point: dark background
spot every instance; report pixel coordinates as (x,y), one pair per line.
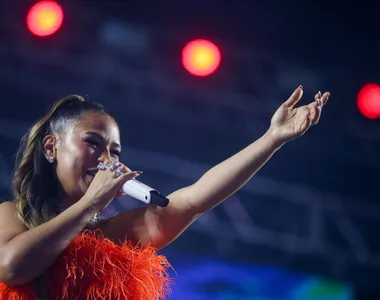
(314,206)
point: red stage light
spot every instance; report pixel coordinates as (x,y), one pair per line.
(201,57)
(368,101)
(44,18)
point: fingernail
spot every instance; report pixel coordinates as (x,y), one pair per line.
(139,172)
(301,87)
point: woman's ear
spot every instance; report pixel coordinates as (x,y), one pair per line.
(50,147)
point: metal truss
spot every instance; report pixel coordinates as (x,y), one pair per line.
(165,97)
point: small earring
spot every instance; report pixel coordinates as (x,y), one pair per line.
(50,159)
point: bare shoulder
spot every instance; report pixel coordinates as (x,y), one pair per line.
(10,224)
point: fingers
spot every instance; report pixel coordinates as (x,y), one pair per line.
(321,99)
(318,100)
(128,172)
(129,175)
(314,112)
(315,109)
(122,172)
(295,97)
(304,116)
(123,168)
(325,97)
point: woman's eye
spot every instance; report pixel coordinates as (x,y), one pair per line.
(93,143)
(96,144)
(117,153)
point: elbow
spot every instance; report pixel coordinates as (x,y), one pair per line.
(8,274)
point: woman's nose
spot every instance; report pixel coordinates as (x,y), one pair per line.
(106,155)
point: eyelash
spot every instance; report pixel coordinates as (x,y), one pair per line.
(117,153)
(96,144)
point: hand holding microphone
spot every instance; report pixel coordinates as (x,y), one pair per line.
(112,177)
(144,193)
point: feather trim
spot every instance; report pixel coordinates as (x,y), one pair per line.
(93,267)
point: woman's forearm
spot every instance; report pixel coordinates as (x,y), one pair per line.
(226,178)
(31,253)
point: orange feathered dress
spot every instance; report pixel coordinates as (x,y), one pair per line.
(93,267)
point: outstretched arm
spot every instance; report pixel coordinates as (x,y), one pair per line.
(160,226)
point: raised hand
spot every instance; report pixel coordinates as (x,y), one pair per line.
(290,122)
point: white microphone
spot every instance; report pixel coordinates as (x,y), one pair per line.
(144,193)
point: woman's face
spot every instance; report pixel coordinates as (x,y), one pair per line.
(95,137)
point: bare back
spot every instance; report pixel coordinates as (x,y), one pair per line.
(10,225)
